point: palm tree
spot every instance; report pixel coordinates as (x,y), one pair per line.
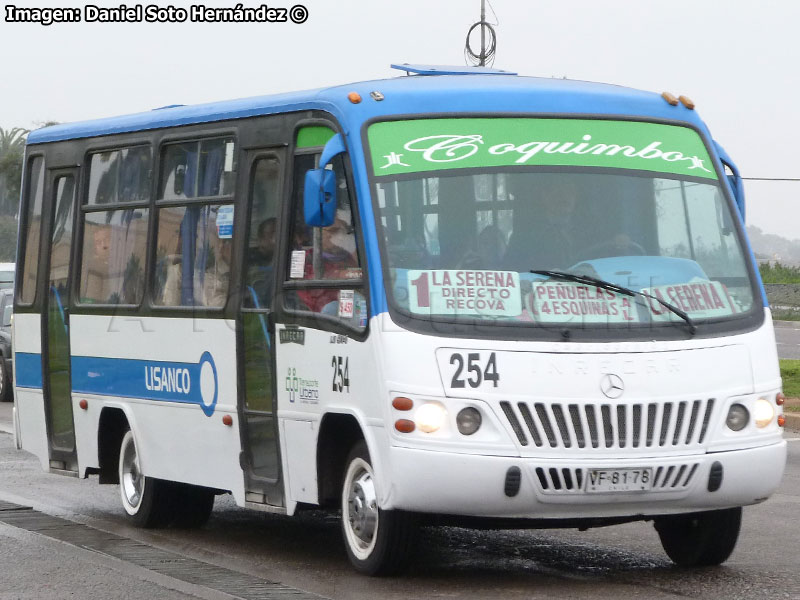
(12,150)
(12,139)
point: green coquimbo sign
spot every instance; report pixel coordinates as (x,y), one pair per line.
(399,147)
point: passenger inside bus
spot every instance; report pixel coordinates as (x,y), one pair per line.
(214,285)
(338,259)
(490,248)
(260,265)
(545,230)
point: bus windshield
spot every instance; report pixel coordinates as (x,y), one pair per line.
(470,209)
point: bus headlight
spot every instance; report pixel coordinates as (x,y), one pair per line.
(430,417)
(468,420)
(737,417)
(763,412)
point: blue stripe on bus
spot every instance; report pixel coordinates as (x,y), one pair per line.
(28,369)
(131,378)
(148,379)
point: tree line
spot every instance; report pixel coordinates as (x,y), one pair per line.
(12,151)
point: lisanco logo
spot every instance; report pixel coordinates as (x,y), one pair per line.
(453,148)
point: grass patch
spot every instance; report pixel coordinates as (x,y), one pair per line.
(785,315)
(778,273)
(790,372)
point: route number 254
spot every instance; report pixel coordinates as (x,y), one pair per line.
(475,373)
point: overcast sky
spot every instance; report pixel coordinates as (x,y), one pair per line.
(737,59)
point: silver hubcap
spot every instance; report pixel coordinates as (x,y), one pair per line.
(131,478)
(362,507)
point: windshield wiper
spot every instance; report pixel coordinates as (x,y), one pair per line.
(613,287)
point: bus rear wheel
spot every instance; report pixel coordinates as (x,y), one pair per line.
(701,539)
(193,505)
(148,502)
(378,541)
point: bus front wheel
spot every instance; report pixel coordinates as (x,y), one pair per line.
(147,501)
(701,539)
(378,541)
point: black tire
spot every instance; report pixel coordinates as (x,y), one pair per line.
(5,383)
(148,502)
(193,505)
(701,539)
(378,542)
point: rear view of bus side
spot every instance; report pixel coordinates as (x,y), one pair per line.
(461,297)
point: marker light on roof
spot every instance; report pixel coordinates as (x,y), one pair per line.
(354,97)
(670,98)
(686,102)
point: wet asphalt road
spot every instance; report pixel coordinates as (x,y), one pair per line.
(787,338)
(306,552)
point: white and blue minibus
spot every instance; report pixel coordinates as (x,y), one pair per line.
(455,296)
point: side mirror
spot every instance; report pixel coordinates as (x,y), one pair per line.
(319,198)
(319,193)
(734,179)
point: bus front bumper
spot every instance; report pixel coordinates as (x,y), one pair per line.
(471,485)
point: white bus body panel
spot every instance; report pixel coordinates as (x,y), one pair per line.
(447,472)
(176,440)
(306,377)
(29,401)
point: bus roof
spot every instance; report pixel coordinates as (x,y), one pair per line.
(405,95)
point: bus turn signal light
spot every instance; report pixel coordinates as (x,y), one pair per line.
(404,425)
(227,420)
(401,403)
(780,399)
(354,97)
(781,420)
(83,404)
(670,98)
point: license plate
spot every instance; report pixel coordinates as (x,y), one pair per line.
(619,480)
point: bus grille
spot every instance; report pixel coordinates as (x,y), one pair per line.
(670,425)
(569,480)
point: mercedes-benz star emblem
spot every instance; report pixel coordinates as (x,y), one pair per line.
(612,386)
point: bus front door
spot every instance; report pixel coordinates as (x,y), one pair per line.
(256,343)
(55,325)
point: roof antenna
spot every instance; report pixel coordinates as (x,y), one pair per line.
(486,54)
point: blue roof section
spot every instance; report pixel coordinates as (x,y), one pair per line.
(448,70)
(402,95)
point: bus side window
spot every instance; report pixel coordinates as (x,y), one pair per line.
(194,241)
(115,239)
(32,227)
(326,255)
(261,246)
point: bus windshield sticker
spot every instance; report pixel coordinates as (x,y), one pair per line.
(401,147)
(346,300)
(298,268)
(564,302)
(225,222)
(700,299)
(458,292)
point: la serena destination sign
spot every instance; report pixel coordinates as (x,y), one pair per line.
(400,147)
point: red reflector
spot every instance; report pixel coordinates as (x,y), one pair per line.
(227,420)
(83,404)
(404,425)
(401,403)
